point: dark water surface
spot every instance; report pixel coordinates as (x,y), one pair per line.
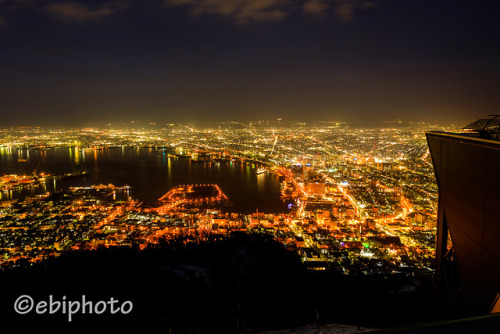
(150,173)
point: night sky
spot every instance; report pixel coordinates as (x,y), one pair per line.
(361,61)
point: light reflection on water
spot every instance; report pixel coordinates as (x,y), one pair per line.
(148,171)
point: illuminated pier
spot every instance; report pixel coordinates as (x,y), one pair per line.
(192,195)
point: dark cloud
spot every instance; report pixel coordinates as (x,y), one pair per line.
(243,11)
(318,7)
(78,12)
(67,11)
(240,11)
(345,10)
